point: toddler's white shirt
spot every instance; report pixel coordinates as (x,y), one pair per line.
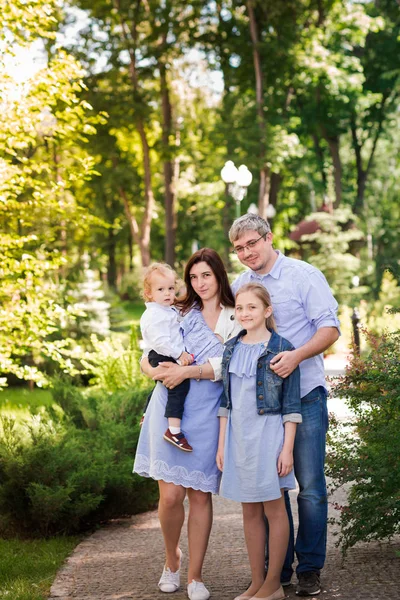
(161,330)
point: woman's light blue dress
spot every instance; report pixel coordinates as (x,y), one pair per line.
(253,442)
(160,460)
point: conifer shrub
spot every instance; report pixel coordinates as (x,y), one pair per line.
(364,453)
(70,467)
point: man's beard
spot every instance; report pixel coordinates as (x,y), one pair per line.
(258,267)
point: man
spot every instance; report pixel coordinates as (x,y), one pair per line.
(306,314)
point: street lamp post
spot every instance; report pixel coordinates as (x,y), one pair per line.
(355,318)
(237,181)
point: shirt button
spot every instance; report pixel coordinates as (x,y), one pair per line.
(260,397)
(259,365)
(259,382)
(261,412)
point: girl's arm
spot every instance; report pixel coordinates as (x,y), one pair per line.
(221,443)
(285,460)
(173,374)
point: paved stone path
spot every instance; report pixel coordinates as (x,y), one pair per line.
(124,560)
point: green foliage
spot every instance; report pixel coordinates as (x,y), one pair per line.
(71,467)
(131,286)
(113,366)
(41,167)
(25,20)
(27,567)
(330,249)
(381,315)
(364,454)
(177,81)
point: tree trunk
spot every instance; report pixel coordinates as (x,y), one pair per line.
(134,229)
(112,265)
(263,196)
(263,192)
(276,180)
(320,159)
(130,250)
(333,143)
(230,143)
(142,238)
(169,194)
(226,224)
(362,174)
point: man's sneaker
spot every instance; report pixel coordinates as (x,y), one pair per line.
(309,584)
(170,581)
(178,440)
(196,590)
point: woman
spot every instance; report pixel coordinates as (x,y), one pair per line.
(208,310)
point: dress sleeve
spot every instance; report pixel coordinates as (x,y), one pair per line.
(199,339)
(291,400)
(216,363)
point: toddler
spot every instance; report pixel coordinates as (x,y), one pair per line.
(163,342)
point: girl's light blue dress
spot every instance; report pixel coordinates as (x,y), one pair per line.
(253,442)
(160,460)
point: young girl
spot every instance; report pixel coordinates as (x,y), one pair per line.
(258,416)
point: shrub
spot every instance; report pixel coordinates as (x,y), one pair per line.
(68,469)
(130,287)
(111,365)
(365,453)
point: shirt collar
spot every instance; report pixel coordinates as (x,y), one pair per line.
(160,306)
(275,272)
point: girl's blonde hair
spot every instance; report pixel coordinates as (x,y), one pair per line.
(259,290)
(161,268)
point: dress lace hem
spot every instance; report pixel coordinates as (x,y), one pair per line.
(160,470)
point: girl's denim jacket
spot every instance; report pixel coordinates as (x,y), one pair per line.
(274,394)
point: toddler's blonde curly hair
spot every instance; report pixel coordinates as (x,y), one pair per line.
(157,267)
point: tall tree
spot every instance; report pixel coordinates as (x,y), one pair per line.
(41,165)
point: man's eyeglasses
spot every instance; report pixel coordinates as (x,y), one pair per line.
(249,246)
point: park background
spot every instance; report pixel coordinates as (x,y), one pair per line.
(116,120)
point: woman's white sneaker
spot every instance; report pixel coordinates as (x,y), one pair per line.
(170,581)
(197,591)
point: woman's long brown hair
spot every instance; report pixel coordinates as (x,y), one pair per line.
(216,265)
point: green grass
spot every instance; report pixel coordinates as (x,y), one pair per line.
(133,310)
(124,315)
(21,402)
(28,567)
(23,397)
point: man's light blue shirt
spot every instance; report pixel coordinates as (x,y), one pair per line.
(302,303)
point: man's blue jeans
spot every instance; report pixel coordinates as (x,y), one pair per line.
(309,461)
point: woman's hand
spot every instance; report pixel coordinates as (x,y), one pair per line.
(157,373)
(285,462)
(170,374)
